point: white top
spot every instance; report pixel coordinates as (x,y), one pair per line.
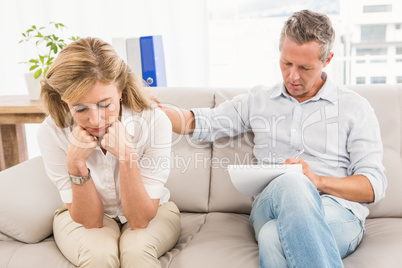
(151,132)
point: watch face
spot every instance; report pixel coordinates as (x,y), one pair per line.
(76,180)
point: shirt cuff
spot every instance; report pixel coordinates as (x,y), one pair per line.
(154,191)
(66,195)
(202,129)
(378,193)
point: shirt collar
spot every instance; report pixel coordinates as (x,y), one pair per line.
(327,92)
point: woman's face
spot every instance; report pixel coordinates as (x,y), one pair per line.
(97,109)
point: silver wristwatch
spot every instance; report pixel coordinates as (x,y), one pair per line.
(80,180)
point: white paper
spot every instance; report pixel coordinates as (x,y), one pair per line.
(250,180)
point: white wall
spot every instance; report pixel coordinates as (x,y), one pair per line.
(182,24)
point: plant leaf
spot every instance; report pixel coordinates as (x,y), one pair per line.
(37,73)
(34,61)
(54,47)
(49,61)
(33,67)
(45,71)
(42,58)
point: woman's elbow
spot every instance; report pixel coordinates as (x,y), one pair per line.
(140,224)
(89,223)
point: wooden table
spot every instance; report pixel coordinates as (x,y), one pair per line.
(15,111)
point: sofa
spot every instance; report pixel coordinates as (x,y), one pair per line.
(215,229)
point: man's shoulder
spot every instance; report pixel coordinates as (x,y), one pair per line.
(259,90)
(346,93)
(351,100)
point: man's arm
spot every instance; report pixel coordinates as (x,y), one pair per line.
(183,121)
(355,188)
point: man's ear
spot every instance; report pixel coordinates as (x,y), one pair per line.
(328,60)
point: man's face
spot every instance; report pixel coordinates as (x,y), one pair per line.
(301,68)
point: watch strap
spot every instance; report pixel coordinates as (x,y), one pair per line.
(80,180)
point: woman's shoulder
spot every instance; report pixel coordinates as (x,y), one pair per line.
(148,114)
(49,132)
(149,118)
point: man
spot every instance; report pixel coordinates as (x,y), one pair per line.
(316,218)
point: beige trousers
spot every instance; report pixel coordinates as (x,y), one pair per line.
(115,246)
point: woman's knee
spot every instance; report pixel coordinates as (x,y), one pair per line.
(96,247)
(99,255)
(139,252)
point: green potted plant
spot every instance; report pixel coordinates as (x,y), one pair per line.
(47,43)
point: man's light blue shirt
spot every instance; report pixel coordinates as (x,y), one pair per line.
(337,129)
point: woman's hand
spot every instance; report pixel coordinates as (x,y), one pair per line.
(118,142)
(80,147)
(306,169)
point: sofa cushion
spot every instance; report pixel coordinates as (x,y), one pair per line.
(44,255)
(214,240)
(189,179)
(229,151)
(28,200)
(386,101)
(381,245)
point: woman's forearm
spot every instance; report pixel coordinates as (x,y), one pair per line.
(138,208)
(87,207)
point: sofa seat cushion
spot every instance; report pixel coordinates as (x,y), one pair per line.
(14,254)
(381,245)
(214,240)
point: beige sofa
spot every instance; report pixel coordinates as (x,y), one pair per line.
(215,228)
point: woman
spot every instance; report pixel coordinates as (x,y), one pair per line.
(107,150)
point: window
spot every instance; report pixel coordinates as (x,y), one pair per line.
(377,8)
(373,32)
(398,54)
(360,80)
(376,52)
(378,80)
(398,26)
(399,79)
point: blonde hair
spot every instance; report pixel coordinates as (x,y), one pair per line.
(78,67)
(305,26)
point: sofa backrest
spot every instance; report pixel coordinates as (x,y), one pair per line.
(386,101)
(205,184)
(189,180)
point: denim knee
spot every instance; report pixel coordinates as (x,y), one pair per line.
(270,248)
(293,188)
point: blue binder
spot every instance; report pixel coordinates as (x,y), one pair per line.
(153,61)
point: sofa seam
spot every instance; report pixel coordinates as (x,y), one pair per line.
(191,238)
(12,254)
(210,164)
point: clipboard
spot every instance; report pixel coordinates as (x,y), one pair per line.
(251,180)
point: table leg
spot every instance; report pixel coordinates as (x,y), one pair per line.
(13,148)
